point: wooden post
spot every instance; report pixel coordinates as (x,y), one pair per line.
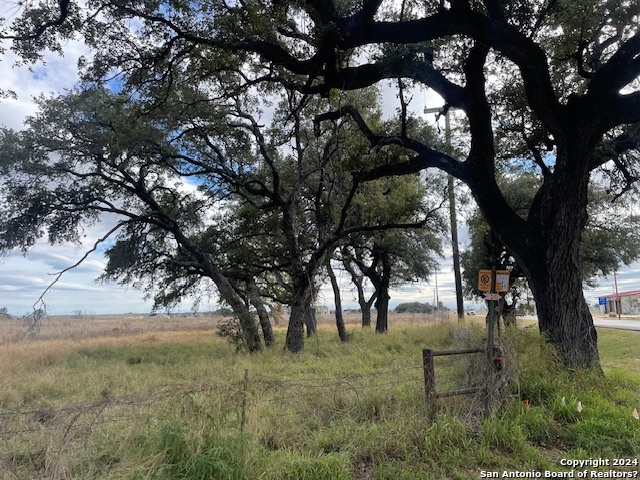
(490,327)
(429,374)
(244,400)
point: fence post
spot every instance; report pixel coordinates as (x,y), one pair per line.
(490,331)
(244,400)
(429,374)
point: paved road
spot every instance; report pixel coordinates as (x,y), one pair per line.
(608,323)
(619,324)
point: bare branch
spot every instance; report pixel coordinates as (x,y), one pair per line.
(39,303)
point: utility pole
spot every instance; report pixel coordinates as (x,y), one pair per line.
(617,302)
(453,218)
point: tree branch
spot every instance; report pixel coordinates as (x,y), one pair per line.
(621,69)
(40,29)
(40,300)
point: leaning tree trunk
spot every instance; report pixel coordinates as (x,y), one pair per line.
(263,316)
(250,333)
(342,331)
(248,325)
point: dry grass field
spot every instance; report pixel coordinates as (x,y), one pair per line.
(77,327)
(141,397)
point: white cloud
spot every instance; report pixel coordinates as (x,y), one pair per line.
(56,74)
(24,278)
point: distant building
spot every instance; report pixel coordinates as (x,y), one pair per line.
(629,302)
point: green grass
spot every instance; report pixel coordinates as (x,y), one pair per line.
(172,407)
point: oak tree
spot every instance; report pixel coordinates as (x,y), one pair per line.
(552,82)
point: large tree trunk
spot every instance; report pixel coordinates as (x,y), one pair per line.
(302,277)
(564,318)
(295,332)
(302,312)
(553,267)
(248,324)
(382,317)
(563,314)
(342,331)
(382,304)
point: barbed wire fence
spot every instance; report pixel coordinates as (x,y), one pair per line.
(49,442)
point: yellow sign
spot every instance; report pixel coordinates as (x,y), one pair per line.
(484,280)
(502,280)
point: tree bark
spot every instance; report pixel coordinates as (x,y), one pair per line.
(382,287)
(302,276)
(382,317)
(564,318)
(302,313)
(294,342)
(310,320)
(563,315)
(263,316)
(248,324)
(247,321)
(365,311)
(342,331)
(552,262)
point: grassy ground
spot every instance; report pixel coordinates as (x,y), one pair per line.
(169,405)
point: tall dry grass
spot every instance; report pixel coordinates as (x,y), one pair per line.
(168,405)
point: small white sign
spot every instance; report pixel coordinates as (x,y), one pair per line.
(491,296)
(502,281)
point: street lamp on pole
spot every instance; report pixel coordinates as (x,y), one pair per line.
(453,218)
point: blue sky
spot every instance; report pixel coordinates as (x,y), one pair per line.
(23,279)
